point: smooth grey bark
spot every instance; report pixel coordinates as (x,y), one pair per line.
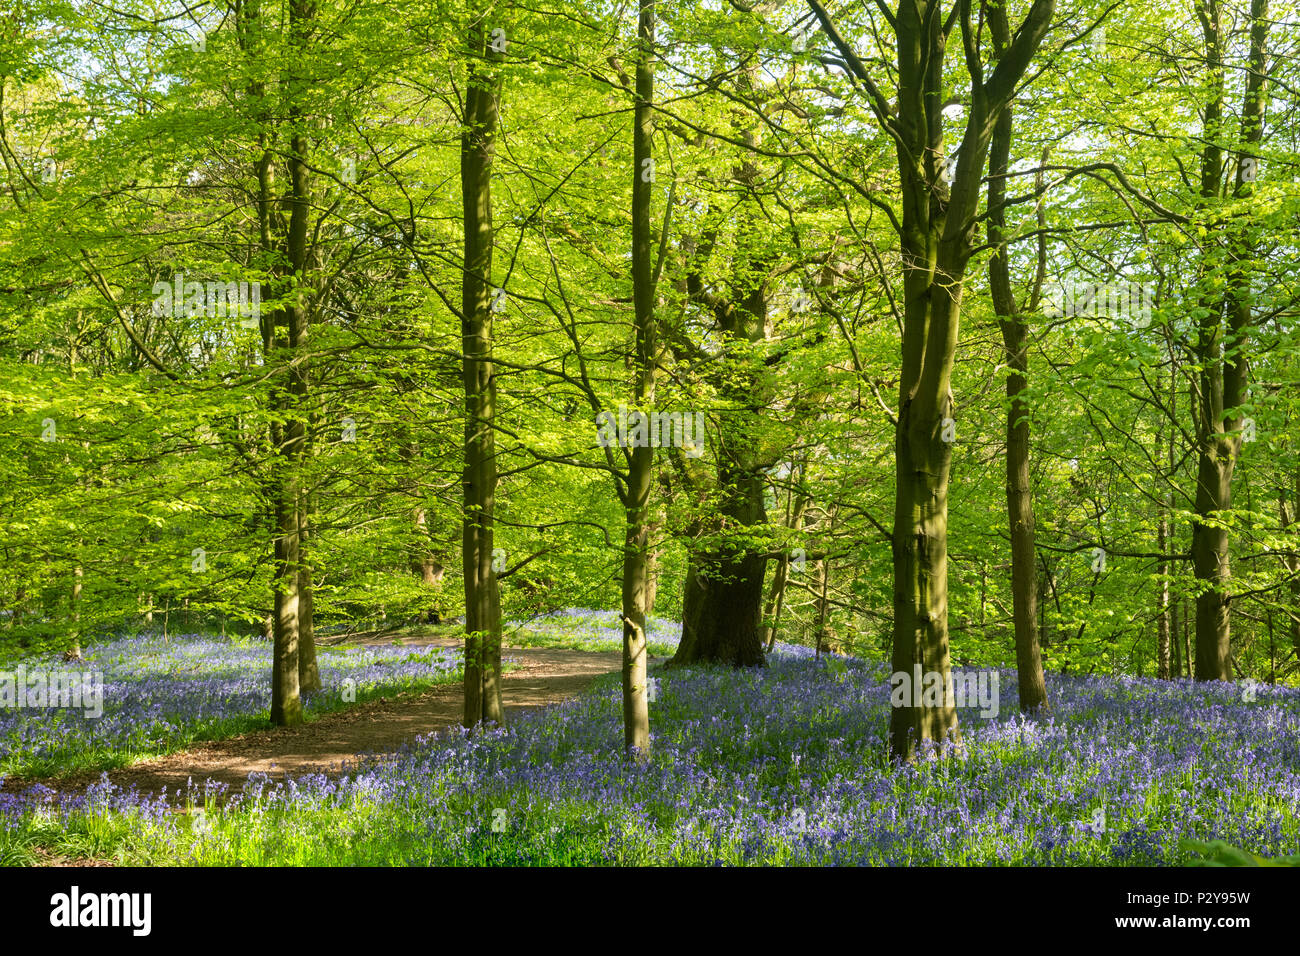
(636,492)
(308,669)
(290,393)
(482,681)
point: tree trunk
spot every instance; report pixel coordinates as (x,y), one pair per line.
(482,596)
(1291,561)
(286,702)
(776,596)
(1175,640)
(824,635)
(640,459)
(1015,343)
(1162,601)
(74,603)
(1044,593)
(1210,553)
(725,627)
(1168,600)
(308,670)
(651,581)
(694,588)
(920,552)
(775,604)
(431,573)
(1020,513)
(422,561)
(1221,345)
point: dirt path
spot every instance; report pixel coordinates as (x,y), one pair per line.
(547,676)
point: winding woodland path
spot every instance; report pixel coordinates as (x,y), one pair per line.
(544,676)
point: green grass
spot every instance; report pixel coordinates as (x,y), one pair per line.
(1219,853)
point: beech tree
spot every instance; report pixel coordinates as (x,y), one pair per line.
(936,234)
(1224,327)
(635,492)
(482,597)
(1013,323)
(1071,494)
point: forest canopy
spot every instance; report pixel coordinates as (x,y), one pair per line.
(957,334)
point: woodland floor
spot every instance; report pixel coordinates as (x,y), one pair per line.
(544,676)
